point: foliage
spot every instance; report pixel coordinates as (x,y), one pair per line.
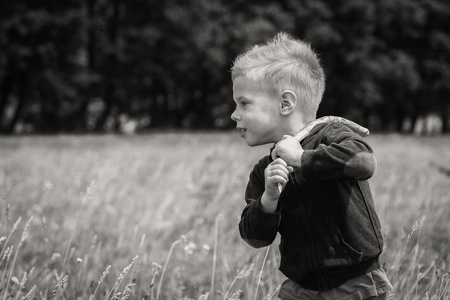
(96,65)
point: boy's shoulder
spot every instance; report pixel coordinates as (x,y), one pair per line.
(331,132)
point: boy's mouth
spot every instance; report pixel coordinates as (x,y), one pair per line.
(242,130)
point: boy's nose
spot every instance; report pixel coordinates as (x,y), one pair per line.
(234,116)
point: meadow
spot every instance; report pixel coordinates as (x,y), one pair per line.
(155,217)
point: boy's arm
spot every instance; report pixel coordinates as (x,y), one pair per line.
(362,131)
(257,227)
(342,155)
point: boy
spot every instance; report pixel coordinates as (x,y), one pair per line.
(313,187)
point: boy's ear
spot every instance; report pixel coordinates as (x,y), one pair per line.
(288,102)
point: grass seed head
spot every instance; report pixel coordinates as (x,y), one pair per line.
(25,230)
(28,295)
(16,224)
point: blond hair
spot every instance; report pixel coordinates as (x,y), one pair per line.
(285,63)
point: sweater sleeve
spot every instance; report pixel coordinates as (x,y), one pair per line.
(342,154)
(257,227)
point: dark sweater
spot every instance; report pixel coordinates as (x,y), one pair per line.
(326,217)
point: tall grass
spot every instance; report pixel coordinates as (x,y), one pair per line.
(155,217)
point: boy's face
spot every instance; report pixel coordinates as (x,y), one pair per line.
(257,113)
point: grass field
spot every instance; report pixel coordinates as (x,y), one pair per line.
(108,217)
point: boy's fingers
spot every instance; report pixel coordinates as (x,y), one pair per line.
(281,172)
(285,166)
(279,161)
(277,171)
(274,154)
(279,179)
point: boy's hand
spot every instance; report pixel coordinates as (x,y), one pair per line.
(290,150)
(277,172)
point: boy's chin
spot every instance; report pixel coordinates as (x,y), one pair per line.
(252,143)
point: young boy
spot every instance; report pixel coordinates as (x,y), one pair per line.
(313,187)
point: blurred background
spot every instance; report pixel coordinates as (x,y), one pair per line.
(70,67)
(135,65)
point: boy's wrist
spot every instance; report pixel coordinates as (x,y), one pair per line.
(269,205)
(297,162)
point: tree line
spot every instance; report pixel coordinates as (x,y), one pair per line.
(96,65)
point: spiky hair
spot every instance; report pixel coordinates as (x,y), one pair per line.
(285,63)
